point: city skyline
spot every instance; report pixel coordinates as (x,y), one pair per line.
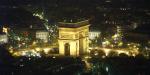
(74,37)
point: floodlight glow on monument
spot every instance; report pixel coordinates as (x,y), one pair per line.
(73,38)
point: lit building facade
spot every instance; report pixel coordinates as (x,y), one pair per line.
(73,38)
(5,30)
(94,34)
(3,38)
(42,35)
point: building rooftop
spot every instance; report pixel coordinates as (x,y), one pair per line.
(73,24)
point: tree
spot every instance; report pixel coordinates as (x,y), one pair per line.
(123,55)
(112,54)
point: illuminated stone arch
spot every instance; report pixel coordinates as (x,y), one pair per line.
(67,49)
(76,35)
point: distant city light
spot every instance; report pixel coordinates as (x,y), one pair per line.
(5,30)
